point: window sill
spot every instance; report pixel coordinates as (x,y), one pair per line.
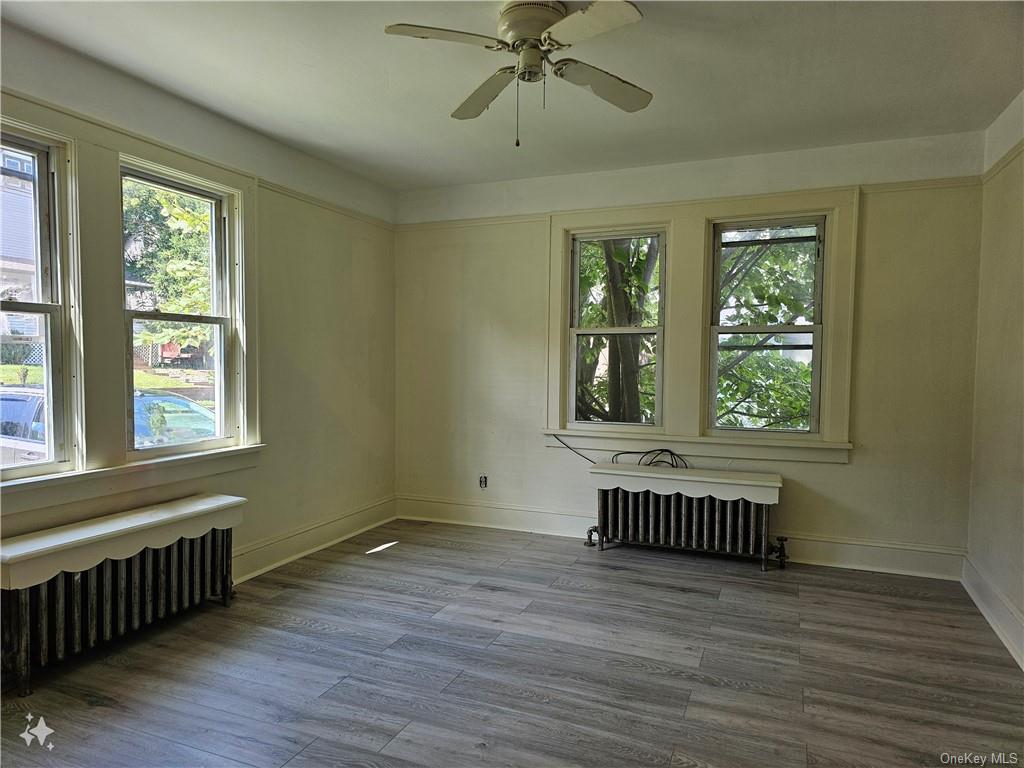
(31,493)
(767,448)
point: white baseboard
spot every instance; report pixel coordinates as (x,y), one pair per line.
(884,556)
(860,554)
(266,554)
(510,517)
(1005,618)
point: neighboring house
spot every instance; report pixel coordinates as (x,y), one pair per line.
(18,237)
(18,244)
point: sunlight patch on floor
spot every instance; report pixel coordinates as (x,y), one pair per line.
(381,547)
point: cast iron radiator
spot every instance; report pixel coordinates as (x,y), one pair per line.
(76,611)
(639,505)
(680,522)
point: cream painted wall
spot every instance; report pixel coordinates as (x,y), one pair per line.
(471,385)
(325,331)
(996,540)
(326,376)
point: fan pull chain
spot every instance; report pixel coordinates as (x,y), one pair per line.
(517,109)
(543,85)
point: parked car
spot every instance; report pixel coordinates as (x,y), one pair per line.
(166,418)
(22,425)
(161,418)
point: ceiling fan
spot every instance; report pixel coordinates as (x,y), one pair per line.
(532,30)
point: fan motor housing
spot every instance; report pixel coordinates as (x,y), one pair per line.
(527,19)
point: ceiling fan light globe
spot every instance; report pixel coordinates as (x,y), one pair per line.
(530,68)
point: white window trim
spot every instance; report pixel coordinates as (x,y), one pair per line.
(229,284)
(658,331)
(815,329)
(59,289)
(32,493)
(92,155)
(685,360)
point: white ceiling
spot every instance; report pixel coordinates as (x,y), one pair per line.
(728,78)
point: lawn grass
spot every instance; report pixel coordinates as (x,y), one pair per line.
(11,374)
(150,380)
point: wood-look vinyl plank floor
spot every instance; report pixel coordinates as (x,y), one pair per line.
(462,647)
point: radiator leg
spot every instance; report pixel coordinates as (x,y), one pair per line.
(172,576)
(216,564)
(59,624)
(92,628)
(783,557)
(76,612)
(207,564)
(197,578)
(764,537)
(226,583)
(602,516)
(43,622)
(22,626)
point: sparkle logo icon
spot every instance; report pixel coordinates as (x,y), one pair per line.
(41,732)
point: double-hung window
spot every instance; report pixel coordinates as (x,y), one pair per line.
(616,331)
(766,325)
(32,415)
(182,388)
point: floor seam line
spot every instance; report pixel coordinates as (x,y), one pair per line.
(461,673)
(346,677)
(381,750)
(315,739)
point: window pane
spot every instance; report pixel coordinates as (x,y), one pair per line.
(26,410)
(764,381)
(616,377)
(619,282)
(168,249)
(764,282)
(769,233)
(746,341)
(177,382)
(19,233)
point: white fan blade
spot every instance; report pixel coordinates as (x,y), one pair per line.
(604,85)
(482,97)
(597,18)
(448,35)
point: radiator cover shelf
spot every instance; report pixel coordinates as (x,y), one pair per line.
(726,513)
(76,611)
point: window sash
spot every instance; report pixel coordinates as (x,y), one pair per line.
(730,330)
(225,317)
(220,294)
(576,330)
(659,371)
(49,276)
(49,304)
(818,221)
(574,320)
(814,329)
(59,417)
(227,393)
